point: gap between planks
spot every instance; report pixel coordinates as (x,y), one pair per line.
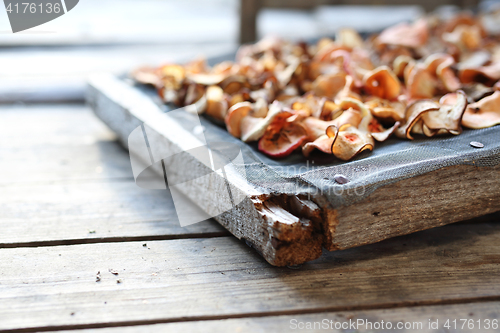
(145,238)
(392,305)
(103,240)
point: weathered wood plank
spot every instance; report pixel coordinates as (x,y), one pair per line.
(194,279)
(47,143)
(436,198)
(423,319)
(80,212)
(66,180)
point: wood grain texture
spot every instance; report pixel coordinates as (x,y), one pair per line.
(82,212)
(51,143)
(416,318)
(437,198)
(64,179)
(215,278)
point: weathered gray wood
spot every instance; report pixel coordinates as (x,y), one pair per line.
(417,319)
(55,143)
(65,180)
(178,280)
(80,212)
(437,198)
(393,210)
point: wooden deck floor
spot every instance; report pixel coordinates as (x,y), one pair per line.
(82,247)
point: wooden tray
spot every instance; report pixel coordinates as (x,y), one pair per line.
(291,229)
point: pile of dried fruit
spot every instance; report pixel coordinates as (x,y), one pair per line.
(340,96)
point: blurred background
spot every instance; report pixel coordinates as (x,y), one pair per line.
(51,62)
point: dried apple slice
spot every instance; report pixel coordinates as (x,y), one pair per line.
(194,93)
(403,34)
(233,83)
(279,142)
(253,128)
(350,142)
(286,75)
(448,117)
(217,105)
(378,131)
(315,127)
(477,91)
(147,75)
(323,143)
(384,109)
(261,108)
(484,113)
(426,130)
(311,104)
(347,91)
(355,104)
(448,77)
(207,79)
(440,65)
(234,116)
(413,113)
(177,72)
(399,64)
(487,75)
(418,127)
(465,37)
(329,85)
(382,82)
(420,83)
(348,38)
(198,65)
(349,116)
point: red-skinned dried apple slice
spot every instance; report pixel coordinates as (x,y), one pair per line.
(282,142)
